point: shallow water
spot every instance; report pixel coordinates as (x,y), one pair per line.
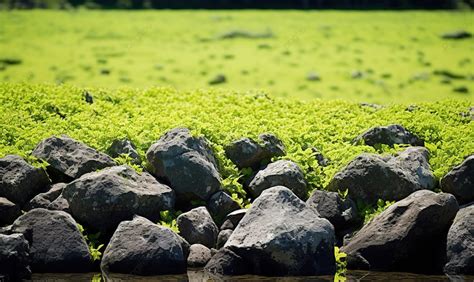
(201,276)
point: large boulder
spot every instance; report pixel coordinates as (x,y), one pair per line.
(105,198)
(246,152)
(388,135)
(124,147)
(8,211)
(198,227)
(14,258)
(280,173)
(43,200)
(460,181)
(69,159)
(56,244)
(370,177)
(279,235)
(186,163)
(460,244)
(20,181)
(220,204)
(141,247)
(408,236)
(199,255)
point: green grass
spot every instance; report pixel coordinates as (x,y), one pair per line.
(29,113)
(397,52)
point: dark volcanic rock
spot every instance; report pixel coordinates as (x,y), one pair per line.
(141,247)
(223,237)
(460,245)
(220,204)
(56,244)
(14,257)
(460,181)
(60,204)
(233,219)
(197,227)
(389,135)
(43,200)
(124,147)
(370,177)
(187,163)
(69,159)
(280,173)
(8,211)
(105,198)
(279,235)
(20,181)
(199,255)
(408,236)
(456,35)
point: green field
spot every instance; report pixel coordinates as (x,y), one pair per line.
(380,57)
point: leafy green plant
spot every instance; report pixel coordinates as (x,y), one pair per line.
(125,159)
(343,194)
(341,262)
(93,243)
(368,212)
(168,219)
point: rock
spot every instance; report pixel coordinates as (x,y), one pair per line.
(370,177)
(322,161)
(223,237)
(371,105)
(460,181)
(186,163)
(56,244)
(141,247)
(246,152)
(460,244)
(8,212)
(457,34)
(220,204)
(265,239)
(218,79)
(20,181)
(233,219)
(43,200)
(313,76)
(124,147)
(105,198)
(227,262)
(69,159)
(283,172)
(389,135)
(14,258)
(60,204)
(408,236)
(197,227)
(199,255)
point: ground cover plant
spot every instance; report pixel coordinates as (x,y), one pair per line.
(359,56)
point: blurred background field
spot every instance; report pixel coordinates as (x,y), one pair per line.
(360,56)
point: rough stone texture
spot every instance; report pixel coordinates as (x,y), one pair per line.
(460,244)
(370,177)
(283,172)
(280,235)
(223,237)
(20,181)
(69,159)
(43,200)
(141,247)
(233,219)
(460,181)
(60,204)
(186,163)
(56,244)
(228,263)
(14,257)
(220,204)
(197,227)
(124,146)
(8,211)
(389,135)
(105,198)
(199,255)
(408,236)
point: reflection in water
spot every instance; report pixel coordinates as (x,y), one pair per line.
(201,276)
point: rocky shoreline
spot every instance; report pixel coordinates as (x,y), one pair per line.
(285,232)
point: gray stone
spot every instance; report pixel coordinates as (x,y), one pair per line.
(370,177)
(14,257)
(389,135)
(56,244)
(124,147)
(60,204)
(460,181)
(69,159)
(232,219)
(20,181)
(460,244)
(226,262)
(408,236)
(223,237)
(43,200)
(199,255)
(280,173)
(198,227)
(220,204)
(280,235)
(456,35)
(272,145)
(141,247)
(8,211)
(105,198)
(186,163)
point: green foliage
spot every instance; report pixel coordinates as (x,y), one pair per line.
(168,219)
(343,194)
(341,262)
(368,212)
(125,159)
(93,243)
